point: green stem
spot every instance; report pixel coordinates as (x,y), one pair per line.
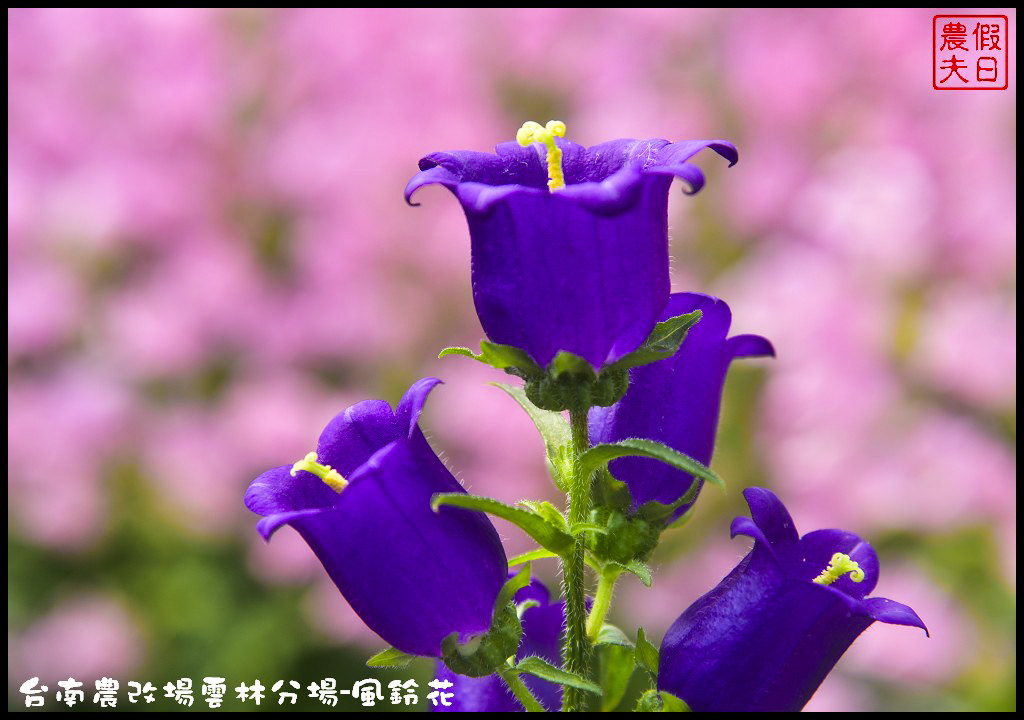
(576,653)
(602,602)
(519,689)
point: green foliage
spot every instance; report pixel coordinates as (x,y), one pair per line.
(390,657)
(663,342)
(553,429)
(548,533)
(615,662)
(503,357)
(539,667)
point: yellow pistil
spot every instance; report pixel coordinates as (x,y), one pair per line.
(839,565)
(532,132)
(331,477)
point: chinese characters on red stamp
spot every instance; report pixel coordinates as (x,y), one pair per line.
(970,52)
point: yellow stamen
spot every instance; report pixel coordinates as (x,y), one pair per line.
(331,477)
(839,565)
(532,132)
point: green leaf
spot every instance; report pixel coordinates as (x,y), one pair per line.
(390,658)
(530,556)
(635,567)
(547,535)
(646,654)
(539,667)
(612,635)
(600,455)
(553,428)
(582,527)
(663,342)
(503,357)
(547,511)
(616,668)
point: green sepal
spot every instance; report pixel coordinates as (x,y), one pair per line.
(660,512)
(526,605)
(671,703)
(600,455)
(646,654)
(533,524)
(511,359)
(530,556)
(610,492)
(612,635)
(632,536)
(539,667)
(615,670)
(650,701)
(655,701)
(570,383)
(663,342)
(391,658)
(554,429)
(485,653)
(513,585)
(629,539)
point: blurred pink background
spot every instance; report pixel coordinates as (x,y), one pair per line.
(209,256)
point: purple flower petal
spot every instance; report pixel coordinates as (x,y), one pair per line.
(674,401)
(583,269)
(894,613)
(766,636)
(393,558)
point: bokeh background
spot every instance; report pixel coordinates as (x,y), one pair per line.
(209,256)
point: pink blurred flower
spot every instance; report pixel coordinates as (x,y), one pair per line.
(85,637)
(968,345)
(60,433)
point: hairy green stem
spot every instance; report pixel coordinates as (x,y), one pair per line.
(519,689)
(576,653)
(602,602)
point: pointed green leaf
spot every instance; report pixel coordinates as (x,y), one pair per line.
(663,342)
(553,428)
(547,511)
(582,527)
(539,667)
(503,357)
(600,455)
(635,567)
(612,635)
(646,654)
(530,556)
(390,658)
(616,668)
(546,534)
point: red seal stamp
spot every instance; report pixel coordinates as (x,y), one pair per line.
(970,52)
